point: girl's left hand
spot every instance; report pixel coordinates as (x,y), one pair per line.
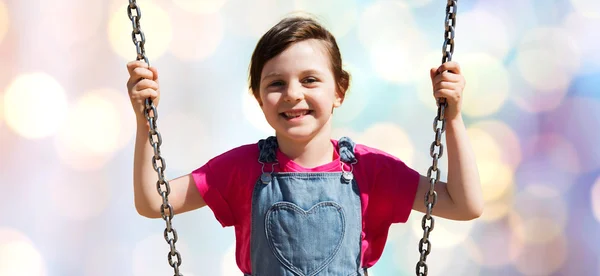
(449,83)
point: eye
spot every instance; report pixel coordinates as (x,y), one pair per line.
(309,80)
(276,83)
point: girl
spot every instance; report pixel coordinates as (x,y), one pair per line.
(301,202)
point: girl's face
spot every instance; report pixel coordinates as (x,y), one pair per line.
(298,91)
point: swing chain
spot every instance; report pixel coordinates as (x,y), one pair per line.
(158,162)
(437,148)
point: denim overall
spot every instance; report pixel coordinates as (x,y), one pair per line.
(306,224)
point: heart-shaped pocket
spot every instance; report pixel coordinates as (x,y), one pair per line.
(305,241)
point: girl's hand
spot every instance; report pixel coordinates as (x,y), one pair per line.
(449,83)
(142,84)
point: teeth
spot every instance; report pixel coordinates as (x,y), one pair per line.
(294,114)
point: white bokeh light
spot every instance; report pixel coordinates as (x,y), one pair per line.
(340,22)
(588,8)
(485,32)
(539,214)
(4,20)
(95,130)
(265,14)
(150,256)
(200,6)
(70,24)
(35,105)
(80,196)
(546,60)
(389,138)
(583,31)
(449,233)
(393,40)
(254,115)
(196,37)
(156,25)
(19,256)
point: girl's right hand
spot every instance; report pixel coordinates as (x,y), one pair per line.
(142,84)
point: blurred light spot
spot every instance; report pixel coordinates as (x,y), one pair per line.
(340,22)
(584,32)
(156,25)
(196,37)
(487,84)
(100,260)
(498,208)
(555,49)
(80,196)
(505,140)
(559,152)
(265,14)
(496,176)
(4,20)
(542,259)
(443,259)
(389,138)
(485,32)
(35,105)
(94,130)
(588,8)
(19,256)
(200,6)
(357,96)
(595,199)
(495,245)
(575,120)
(185,145)
(394,41)
(150,256)
(448,233)
(416,3)
(539,214)
(228,264)
(254,115)
(70,24)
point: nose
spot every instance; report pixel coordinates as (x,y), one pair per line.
(293,93)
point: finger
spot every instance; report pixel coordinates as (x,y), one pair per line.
(142,73)
(433,72)
(446,76)
(146,84)
(451,66)
(445,93)
(154,73)
(146,93)
(446,85)
(135,64)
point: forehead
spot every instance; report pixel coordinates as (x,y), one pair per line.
(303,55)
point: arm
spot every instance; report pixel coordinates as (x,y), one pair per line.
(461,197)
(184,195)
(143,84)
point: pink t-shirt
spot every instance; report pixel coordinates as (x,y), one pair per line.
(387,191)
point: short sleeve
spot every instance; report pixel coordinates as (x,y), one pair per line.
(394,190)
(404,181)
(212,183)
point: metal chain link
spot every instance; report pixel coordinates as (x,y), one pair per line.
(437,148)
(158,162)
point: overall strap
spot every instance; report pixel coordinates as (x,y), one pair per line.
(267,150)
(346,150)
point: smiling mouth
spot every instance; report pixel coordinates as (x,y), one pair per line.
(295,114)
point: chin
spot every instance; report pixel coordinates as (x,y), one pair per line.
(298,133)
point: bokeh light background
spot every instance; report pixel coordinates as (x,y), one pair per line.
(66,127)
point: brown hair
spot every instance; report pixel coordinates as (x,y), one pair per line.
(288,31)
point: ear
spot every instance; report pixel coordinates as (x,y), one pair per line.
(339,98)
